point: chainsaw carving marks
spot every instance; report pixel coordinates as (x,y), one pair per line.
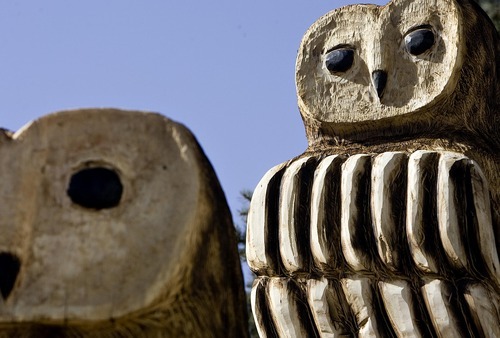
(387,224)
(390,244)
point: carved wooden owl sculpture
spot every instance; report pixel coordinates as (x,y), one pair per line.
(388,224)
(113,224)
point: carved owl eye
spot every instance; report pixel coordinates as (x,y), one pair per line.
(339,60)
(419,41)
(95,188)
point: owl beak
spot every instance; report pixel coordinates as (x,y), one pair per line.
(9,266)
(379,78)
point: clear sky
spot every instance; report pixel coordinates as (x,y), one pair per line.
(223,68)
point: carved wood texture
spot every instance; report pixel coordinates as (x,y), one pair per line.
(394,244)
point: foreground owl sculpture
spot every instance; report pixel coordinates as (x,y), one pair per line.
(113,224)
(386,225)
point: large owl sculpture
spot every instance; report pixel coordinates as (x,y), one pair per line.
(113,224)
(387,226)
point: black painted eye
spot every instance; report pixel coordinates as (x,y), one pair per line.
(339,60)
(419,41)
(95,188)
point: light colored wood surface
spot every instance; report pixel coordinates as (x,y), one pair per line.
(395,270)
(150,265)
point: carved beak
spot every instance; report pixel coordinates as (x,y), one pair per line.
(379,78)
(9,267)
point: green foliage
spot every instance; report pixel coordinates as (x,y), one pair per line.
(492,8)
(246,196)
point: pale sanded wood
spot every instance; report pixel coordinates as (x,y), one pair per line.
(289,222)
(353,170)
(484,226)
(484,308)
(260,308)
(259,256)
(399,305)
(322,206)
(416,225)
(450,223)
(359,295)
(284,305)
(442,313)
(329,308)
(317,298)
(387,228)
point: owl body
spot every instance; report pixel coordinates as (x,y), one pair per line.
(388,224)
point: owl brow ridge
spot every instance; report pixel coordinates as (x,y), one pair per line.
(340,46)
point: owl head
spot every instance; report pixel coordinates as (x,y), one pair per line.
(113,222)
(420,68)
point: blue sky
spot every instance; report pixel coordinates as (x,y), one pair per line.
(224,68)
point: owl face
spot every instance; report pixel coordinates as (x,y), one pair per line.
(97,207)
(365,62)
